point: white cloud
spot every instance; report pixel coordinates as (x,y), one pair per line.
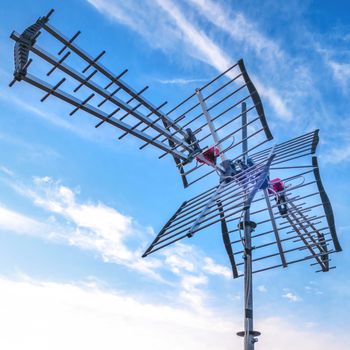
(41,315)
(340,70)
(215,269)
(181,81)
(144,19)
(262,289)
(50,117)
(274,99)
(6,170)
(337,154)
(199,45)
(89,226)
(291,297)
(192,292)
(341,73)
(114,236)
(15,222)
(184,33)
(240,29)
(181,258)
(193,269)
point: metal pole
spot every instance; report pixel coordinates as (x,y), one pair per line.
(248,226)
(248,284)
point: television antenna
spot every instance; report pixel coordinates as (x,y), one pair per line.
(219,129)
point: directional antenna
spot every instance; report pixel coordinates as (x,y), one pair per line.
(270,203)
(287,202)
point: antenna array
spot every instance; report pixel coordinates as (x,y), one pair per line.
(219,129)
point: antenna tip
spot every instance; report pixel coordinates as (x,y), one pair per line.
(50,13)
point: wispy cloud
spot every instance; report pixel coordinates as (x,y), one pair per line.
(291,297)
(262,289)
(112,235)
(89,226)
(88,316)
(341,72)
(337,154)
(180,81)
(50,117)
(215,269)
(240,29)
(13,221)
(198,43)
(193,39)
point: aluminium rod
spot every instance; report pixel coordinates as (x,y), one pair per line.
(275,229)
(225,150)
(232,192)
(206,98)
(305,149)
(107,99)
(164,228)
(118,109)
(293,158)
(232,133)
(287,251)
(209,109)
(95,87)
(91,110)
(116,78)
(224,112)
(274,242)
(183,115)
(247,240)
(280,148)
(203,87)
(205,211)
(303,216)
(287,152)
(316,231)
(290,262)
(308,209)
(261,210)
(271,231)
(55,33)
(276,205)
(285,143)
(308,220)
(246,204)
(139,123)
(201,228)
(302,227)
(292,167)
(194,119)
(212,171)
(309,247)
(210,124)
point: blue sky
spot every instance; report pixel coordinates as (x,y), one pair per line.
(77,208)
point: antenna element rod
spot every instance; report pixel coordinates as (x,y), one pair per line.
(210,123)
